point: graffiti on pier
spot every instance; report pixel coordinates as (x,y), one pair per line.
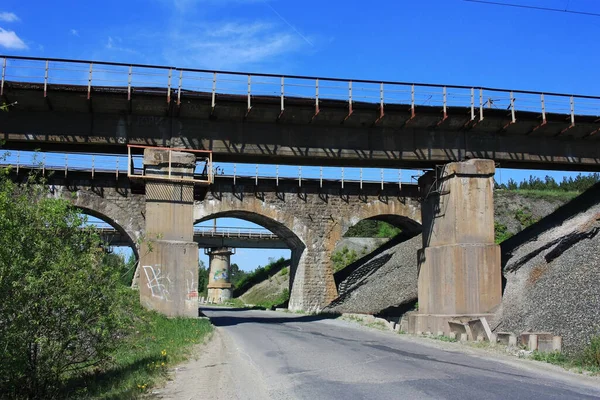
(191,286)
(157,282)
(220,274)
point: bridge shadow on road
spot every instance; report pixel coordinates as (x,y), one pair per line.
(268,318)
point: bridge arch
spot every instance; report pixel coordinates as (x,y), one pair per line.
(94,205)
(276,222)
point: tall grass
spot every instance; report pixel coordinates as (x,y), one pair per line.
(142,358)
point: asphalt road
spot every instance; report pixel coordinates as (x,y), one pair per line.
(287,356)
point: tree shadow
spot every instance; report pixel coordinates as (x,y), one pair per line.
(113,378)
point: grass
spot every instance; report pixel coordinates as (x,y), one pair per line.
(588,360)
(547,194)
(142,359)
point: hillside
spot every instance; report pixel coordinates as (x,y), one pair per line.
(385,281)
(553,277)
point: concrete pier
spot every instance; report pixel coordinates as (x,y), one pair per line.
(219,278)
(459,265)
(168,254)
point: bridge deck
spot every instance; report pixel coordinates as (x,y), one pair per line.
(301,120)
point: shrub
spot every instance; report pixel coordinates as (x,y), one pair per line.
(59,309)
(342,258)
(591,354)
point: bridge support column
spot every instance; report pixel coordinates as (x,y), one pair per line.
(459,265)
(219,277)
(169,255)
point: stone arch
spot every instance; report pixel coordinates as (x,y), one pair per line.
(280,223)
(96,206)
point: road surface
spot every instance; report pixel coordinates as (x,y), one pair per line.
(272,355)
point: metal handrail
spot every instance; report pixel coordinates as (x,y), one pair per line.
(302,77)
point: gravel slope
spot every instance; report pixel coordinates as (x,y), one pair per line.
(552,273)
(387,280)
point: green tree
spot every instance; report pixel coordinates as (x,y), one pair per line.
(237,274)
(202,279)
(59,304)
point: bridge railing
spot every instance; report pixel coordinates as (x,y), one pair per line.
(205,231)
(178,83)
(62,163)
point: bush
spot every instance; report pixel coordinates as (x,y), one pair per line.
(591,354)
(59,308)
(342,258)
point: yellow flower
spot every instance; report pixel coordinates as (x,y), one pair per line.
(163,364)
(164,353)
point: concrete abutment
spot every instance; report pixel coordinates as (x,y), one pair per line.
(459,265)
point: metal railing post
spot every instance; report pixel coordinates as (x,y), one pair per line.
(214,91)
(342,177)
(472,104)
(381,178)
(572,111)
(46,80)
(234,172)
(512,107)
(66,164)
(179,87)
(89,93)
(170,156)
(256,176)
(3,76)
(249,92)
(129,83)
(169,86)
(481,104)
(282,95)
(399,179)
(299,176)
(321,177)
(277,175)
(361,178)
(543,108)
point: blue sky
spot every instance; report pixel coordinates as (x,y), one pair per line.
(434,41)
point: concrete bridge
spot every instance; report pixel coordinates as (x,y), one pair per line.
(291,119)
(457,132)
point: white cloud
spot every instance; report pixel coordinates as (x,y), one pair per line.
(8,17)
(114,44)
(10,40)
(230,45)
(74,32)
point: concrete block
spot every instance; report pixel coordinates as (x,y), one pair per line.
(480,338)
(480,327)
(463,337)
(493,339)
(544,342)
(503,337)
(427,333)
(452,335)
(533,342)
(440,333)
(419,333)
(557,343)
(512,340)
